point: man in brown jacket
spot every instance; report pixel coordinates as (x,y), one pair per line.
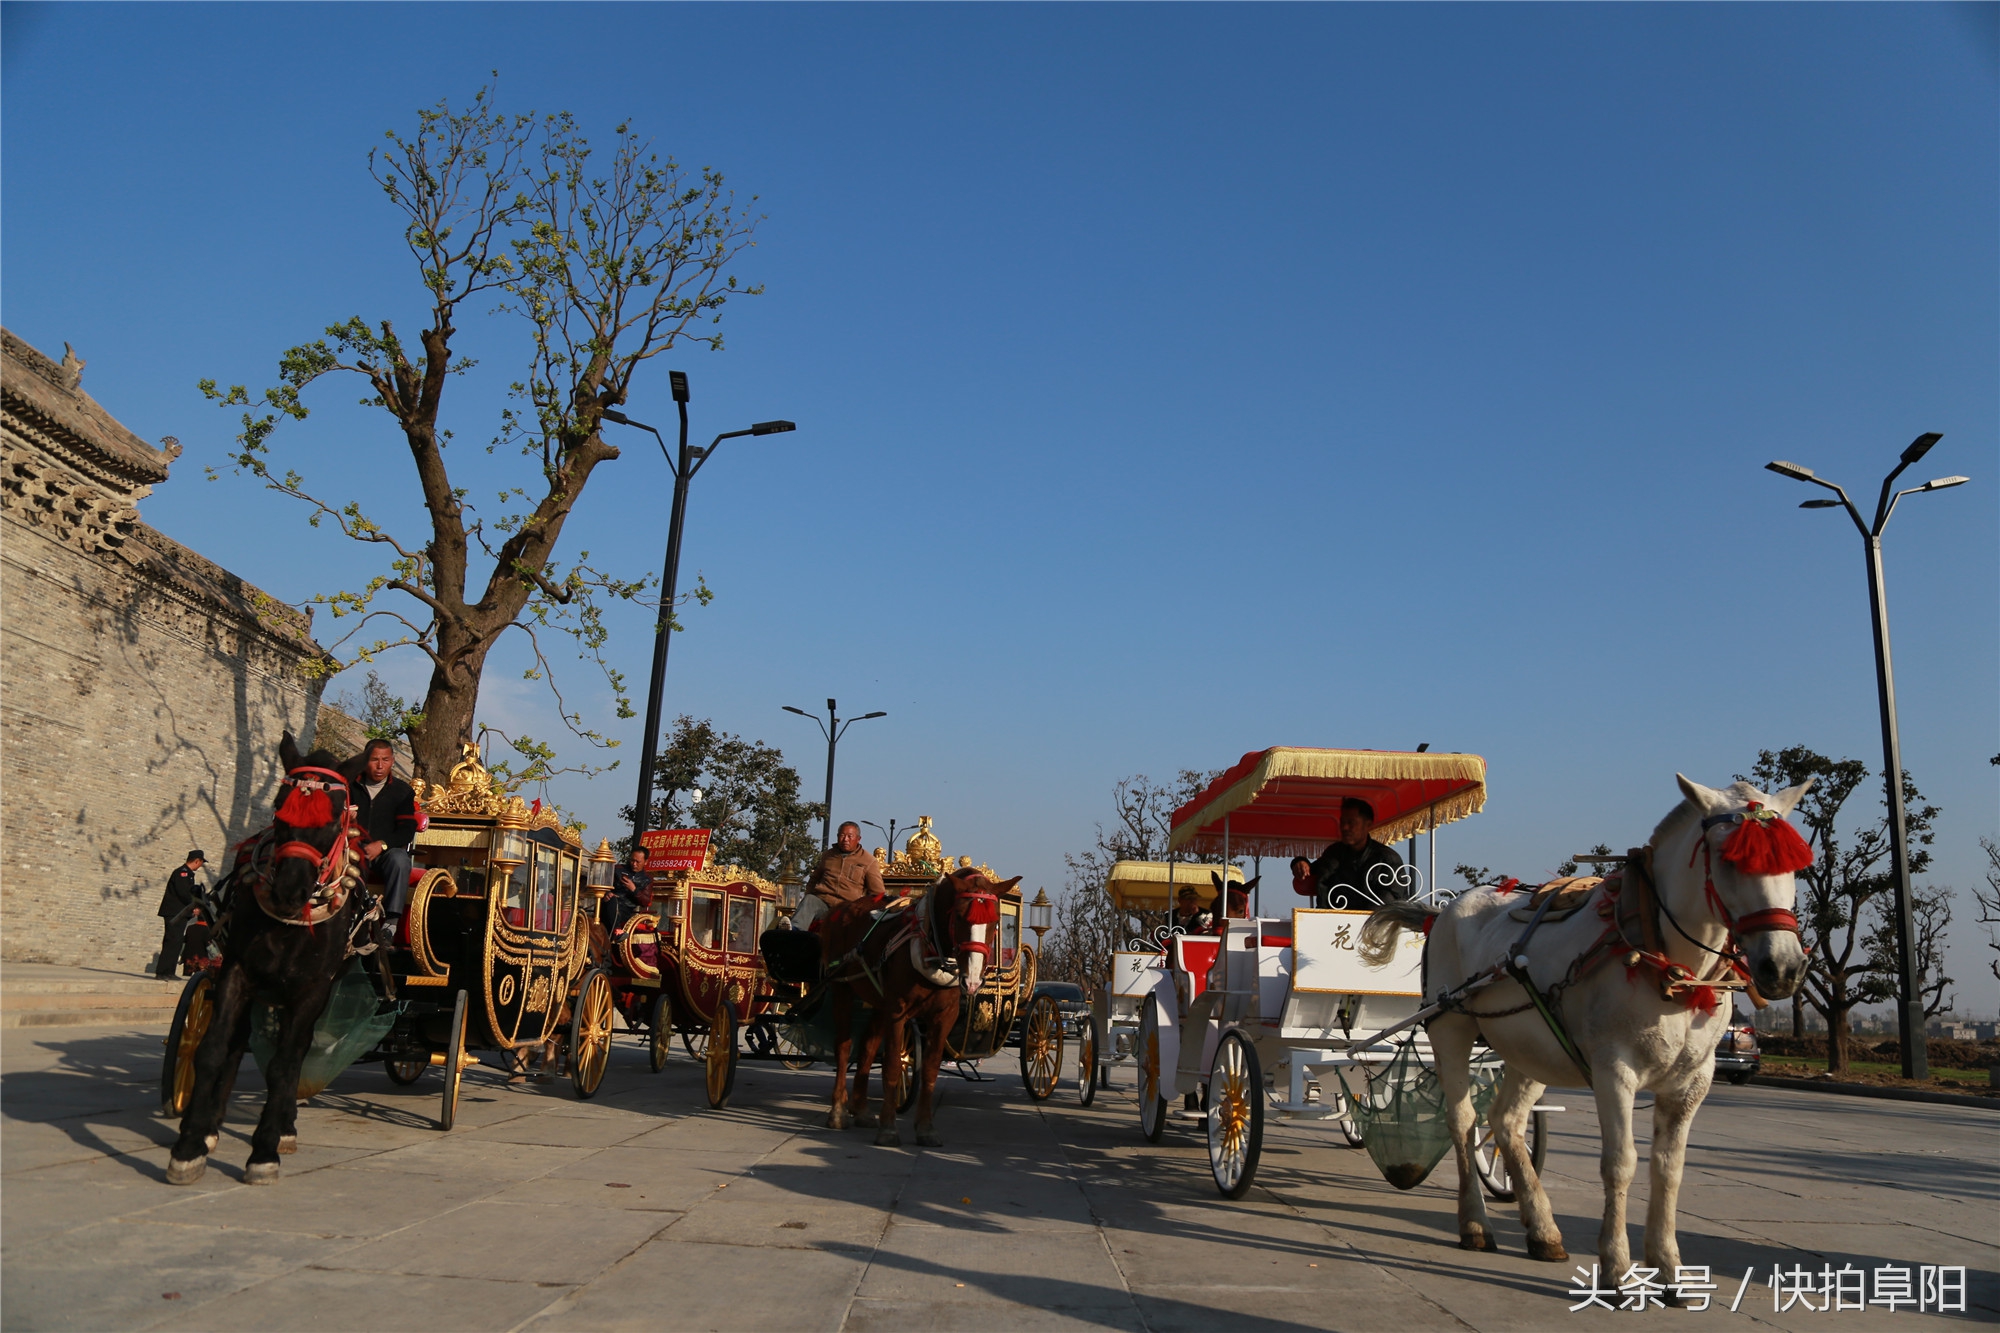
(844,874)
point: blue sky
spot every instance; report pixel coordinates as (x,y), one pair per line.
(1171,381)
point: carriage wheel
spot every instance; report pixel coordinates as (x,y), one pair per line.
(660,1032)
(590,1034)
(454,1064)
(761,1037)
(1086,1062)
(403,1073)
(911,1069)
(695,1044)
(721,1055)
(1235,1112)
(1152,1102)
(1492,1167)
(191,1019)
(1041,1047)
(794,1055)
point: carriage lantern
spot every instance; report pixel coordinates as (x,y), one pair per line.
(1041,916)
(603,863)
(510,842)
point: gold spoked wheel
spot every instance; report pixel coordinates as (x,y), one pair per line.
(1041,1047)
(1086,1062)
(405,1072)
(660,1037)
(590,1033)
(721,1055)
(1235,1115)
(1152,1101)
(455,1062)
(191,1020)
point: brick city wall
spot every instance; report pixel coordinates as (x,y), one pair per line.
(143,689)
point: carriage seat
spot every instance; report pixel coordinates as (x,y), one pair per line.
(1570,892)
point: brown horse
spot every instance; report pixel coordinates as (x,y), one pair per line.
(914,965)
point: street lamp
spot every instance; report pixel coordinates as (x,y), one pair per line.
(833,729)
(1910,1007)
(1041,917)
(889,833)
(687,463)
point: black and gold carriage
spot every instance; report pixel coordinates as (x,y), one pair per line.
(492,944)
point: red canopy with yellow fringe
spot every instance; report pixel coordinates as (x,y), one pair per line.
(1285,801)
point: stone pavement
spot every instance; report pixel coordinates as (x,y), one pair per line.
(645,1210)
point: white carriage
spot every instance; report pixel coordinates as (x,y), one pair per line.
(1109,1035)
(1280,1015)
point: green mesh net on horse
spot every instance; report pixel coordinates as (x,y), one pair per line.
(809,1025)
(348,1029)
(1401,1115)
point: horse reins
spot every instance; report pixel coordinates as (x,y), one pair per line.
(308,793)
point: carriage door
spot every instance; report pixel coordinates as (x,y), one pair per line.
(1010,934)
(543,916)
(742,923)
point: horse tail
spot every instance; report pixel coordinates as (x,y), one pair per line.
(1378,934)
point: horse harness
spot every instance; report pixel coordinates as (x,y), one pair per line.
(1629,899)
(308,803)
(917,926)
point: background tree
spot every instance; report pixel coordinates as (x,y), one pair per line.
(1847,896)
(749,796)
(1088,927)
(383,715)
(605,264)
(1989,902)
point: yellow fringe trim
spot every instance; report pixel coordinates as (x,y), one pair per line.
(1142,886)
(1286,761)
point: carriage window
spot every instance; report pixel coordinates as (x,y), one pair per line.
(516,900)
(470,878)
(568,890)
(767,915)
(742,925)
(1010,933)
(705,923)
(545,889)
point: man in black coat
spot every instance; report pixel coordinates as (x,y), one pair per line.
(183,887)
(1357,874)
(385,809)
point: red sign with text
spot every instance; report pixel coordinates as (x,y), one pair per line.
(675,848)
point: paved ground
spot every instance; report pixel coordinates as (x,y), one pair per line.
(645,1210)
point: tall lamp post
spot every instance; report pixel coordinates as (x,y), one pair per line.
(685,465)
(833,729)
(1910,1006)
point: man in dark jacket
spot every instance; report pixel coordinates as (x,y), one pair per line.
(183,887)
(631,892)
(1357,873)
(385,810)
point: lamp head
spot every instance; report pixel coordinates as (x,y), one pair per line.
(1921,446)
(1943,483)
(678,381)
(865,716)
(800,711)
(1792,470)
(613,414)
(772,427)
(1819,504)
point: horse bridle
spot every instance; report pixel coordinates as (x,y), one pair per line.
(328,895)
(1764,920)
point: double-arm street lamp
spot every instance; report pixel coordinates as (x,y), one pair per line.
(1910,1005)
(685,465)
(833,728)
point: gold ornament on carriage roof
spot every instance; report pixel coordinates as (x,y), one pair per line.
(922,853)
(471,790)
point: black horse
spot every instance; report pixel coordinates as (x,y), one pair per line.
(295,893)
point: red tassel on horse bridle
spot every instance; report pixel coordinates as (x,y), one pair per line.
(1764,844)
(306,809)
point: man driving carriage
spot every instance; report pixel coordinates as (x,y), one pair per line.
(1356,873)
(385,810)
(845,874)
(631,892)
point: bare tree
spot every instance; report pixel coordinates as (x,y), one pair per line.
(1988,899)
(1088,926)
(1848,894)
(606,264)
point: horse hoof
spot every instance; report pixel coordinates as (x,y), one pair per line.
(185,1173)
(1477,1241)
(1548,1251)
(929,1141)
(210,1142)
(888,1138)
(836,1121)
(261,1173)
(288,1145)
(864,1120)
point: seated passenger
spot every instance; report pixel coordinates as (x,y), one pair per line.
(1356,874)
(631,893)
(845,874)
(1190,916)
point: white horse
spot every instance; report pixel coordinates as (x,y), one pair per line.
(1634,1019)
